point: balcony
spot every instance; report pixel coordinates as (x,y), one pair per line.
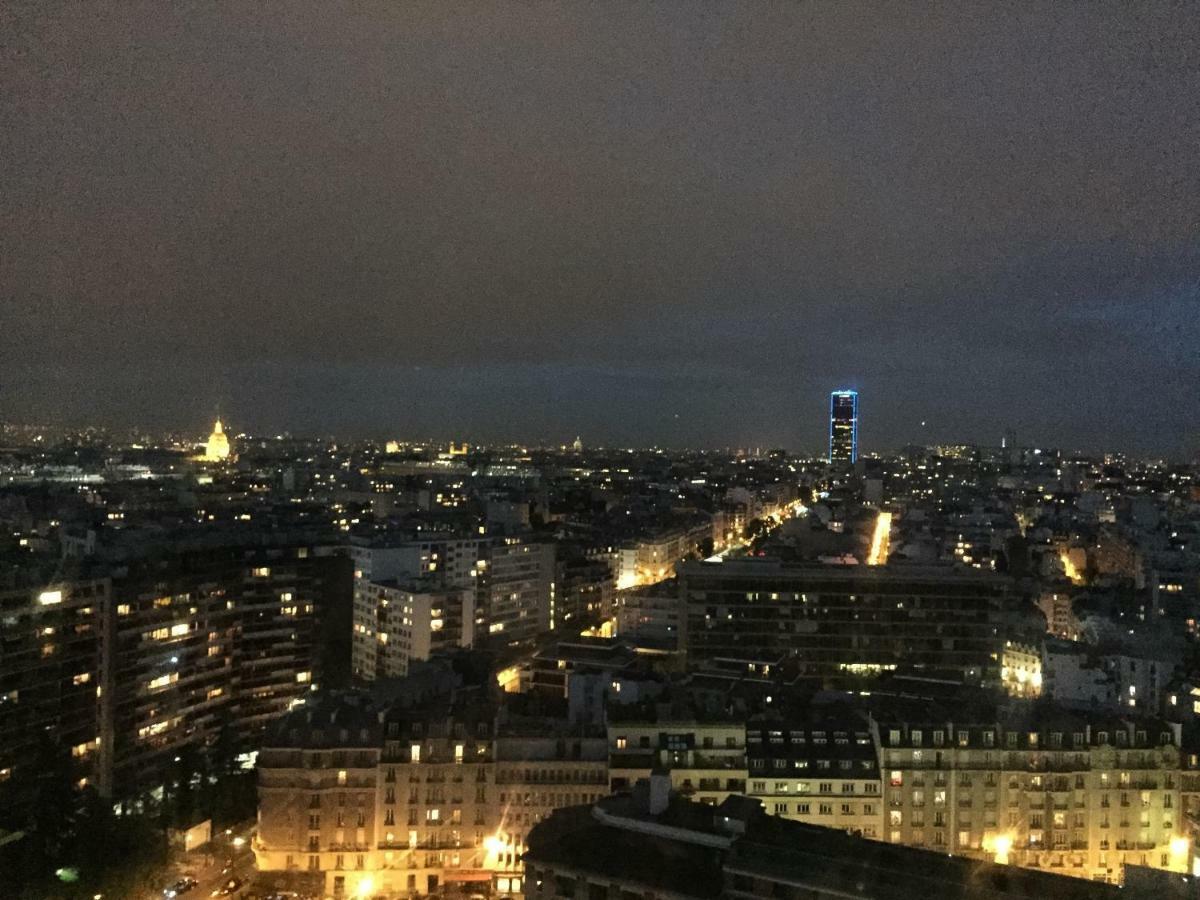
(709,761)
(622,760)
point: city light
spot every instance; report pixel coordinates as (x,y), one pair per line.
(1070,569)
(880,540)
(1000,845)
(1179,847)
(366,887)
(493,845)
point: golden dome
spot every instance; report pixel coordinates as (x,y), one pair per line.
(217,447)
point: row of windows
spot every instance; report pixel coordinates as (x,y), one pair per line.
(843,765)
(824,787)
(823,809)
(988,738)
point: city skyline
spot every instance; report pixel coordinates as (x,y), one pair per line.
(191,435)
(534,222)
(432,464)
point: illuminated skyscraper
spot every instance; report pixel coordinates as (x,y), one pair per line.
(843,426)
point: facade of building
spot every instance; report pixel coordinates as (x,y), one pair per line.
(412,619)
(823,772)
(511,582)
(1021,669)
(227,638)
(534,777)
(843,427)
(586,592)
(657,556)
(409,802)
(1078,796)
(216,448)
(518,597)
(50,674)
(841,621)
(162,655)
(705,760)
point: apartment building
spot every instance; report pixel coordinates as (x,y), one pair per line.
(518,597)
(203,640)
(537,775)
(822,771)
(49,676)
(1079,795)
(411,620)
(705,760)
(656,557)
(405,801)
(126,669)
(840,622)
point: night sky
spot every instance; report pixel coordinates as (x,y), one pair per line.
(675,223)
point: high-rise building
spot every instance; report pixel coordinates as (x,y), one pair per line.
(843,426)
(211,638)
(49,674)
(128,667)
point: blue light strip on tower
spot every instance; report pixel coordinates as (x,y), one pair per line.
(833,398)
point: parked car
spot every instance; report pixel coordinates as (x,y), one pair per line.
(182,886)
(230,887)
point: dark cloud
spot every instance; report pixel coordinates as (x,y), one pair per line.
(535,220)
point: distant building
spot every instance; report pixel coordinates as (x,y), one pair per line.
(216,449)
(518,597)
(511,582)
(843,427)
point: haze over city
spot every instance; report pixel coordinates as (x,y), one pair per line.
(600,451)
(657,224)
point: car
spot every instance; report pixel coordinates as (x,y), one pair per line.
(229,887)
(182,886)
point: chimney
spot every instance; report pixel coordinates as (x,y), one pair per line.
(660,792)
